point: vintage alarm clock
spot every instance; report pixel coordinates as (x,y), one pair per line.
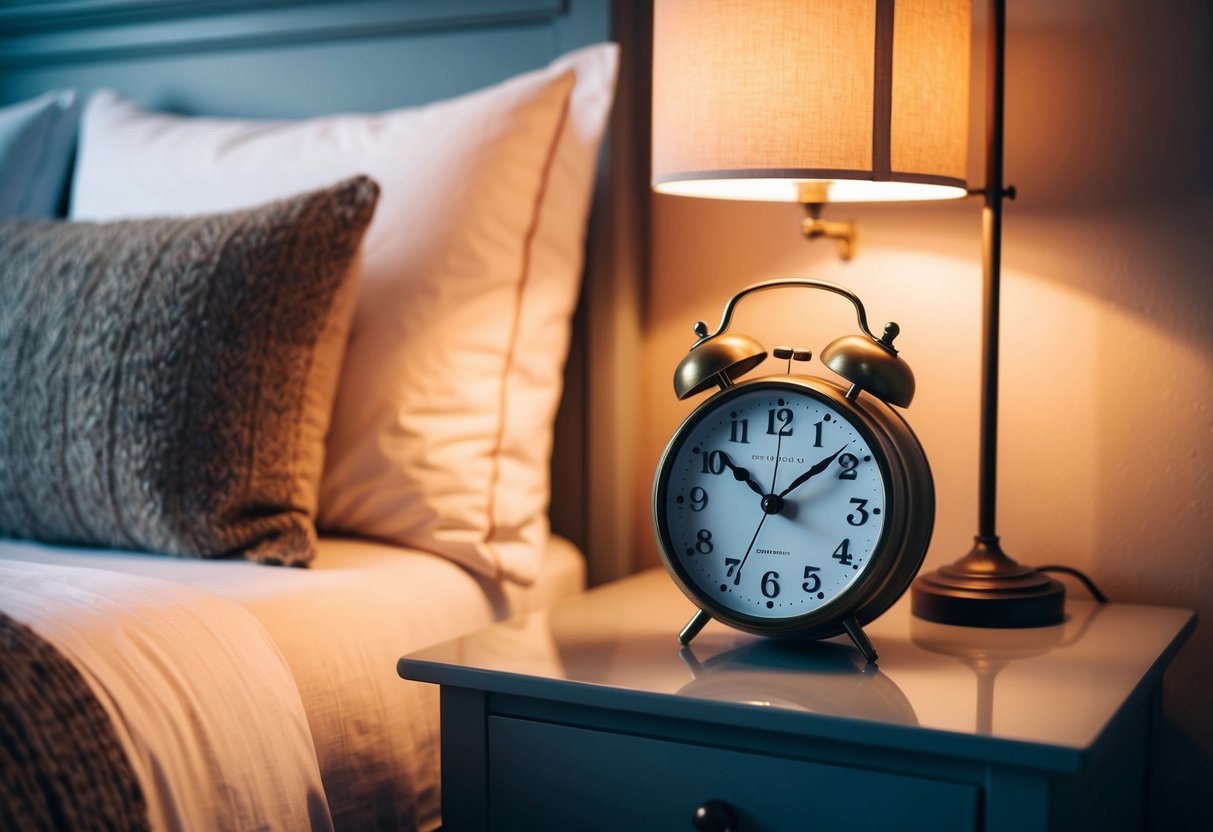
(791,505)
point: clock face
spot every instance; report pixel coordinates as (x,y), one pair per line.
(771,501)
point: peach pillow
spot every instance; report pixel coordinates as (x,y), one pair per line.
(442,428)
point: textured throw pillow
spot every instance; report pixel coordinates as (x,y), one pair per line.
(442,428)
(166,385)
(36,142)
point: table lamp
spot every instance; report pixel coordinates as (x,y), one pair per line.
(818,101)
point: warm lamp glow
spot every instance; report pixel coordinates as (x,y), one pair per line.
(858,100)
(792,190)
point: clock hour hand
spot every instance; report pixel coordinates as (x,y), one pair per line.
(812,472)
(741,474)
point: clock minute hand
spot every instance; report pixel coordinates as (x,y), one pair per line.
(741,474)
(812,472)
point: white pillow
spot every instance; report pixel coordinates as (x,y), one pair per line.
(442,428)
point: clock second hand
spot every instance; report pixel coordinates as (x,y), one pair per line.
(750,548)
(765,514)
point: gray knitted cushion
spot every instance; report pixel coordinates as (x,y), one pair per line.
(165,385)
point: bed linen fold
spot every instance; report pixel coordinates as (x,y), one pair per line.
(199,696)
(340,626)
(61,764)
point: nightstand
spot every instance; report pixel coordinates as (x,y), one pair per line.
(589,715)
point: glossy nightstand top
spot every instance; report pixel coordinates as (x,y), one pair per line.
(1035,696)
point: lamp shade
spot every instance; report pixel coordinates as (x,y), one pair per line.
(811,100)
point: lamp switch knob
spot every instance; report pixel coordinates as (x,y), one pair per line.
(701,329)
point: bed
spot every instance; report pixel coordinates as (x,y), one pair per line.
(391,418)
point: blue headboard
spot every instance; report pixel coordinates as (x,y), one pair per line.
(285,58)
(294,58)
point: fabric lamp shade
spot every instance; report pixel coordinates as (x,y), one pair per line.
(811,100)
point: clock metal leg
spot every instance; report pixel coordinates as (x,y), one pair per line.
(697,623)
(860,638)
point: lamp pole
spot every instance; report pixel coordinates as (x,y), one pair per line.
(991,265)
(986,588)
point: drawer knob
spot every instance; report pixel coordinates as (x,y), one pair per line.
(714,816)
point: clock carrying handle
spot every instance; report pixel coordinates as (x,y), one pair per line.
(869,363)
(701,328)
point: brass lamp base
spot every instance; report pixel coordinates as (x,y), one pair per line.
(986,588)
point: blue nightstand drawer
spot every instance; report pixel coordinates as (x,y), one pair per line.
(545,776)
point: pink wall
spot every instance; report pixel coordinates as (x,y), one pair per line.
(1106,442)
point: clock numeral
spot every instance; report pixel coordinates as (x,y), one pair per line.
(843,553)
(729,565)
(848,463)
(699,499)
(739,431)
(713,462)
(703,542)
(782,415)
(770,584)
(812,581)
(817,426)
(860,510)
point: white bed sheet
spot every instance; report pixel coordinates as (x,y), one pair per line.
(341,625)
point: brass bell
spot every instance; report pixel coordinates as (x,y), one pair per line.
(718,361)
(872,366)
